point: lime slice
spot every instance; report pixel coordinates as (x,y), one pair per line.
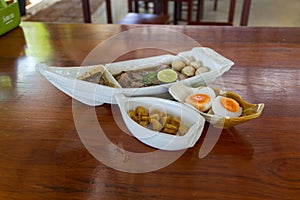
(167,76)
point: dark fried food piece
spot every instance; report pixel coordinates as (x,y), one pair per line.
(176,121)
(169,131)
(171,127)
(144,123)
(158,121)
(142,111)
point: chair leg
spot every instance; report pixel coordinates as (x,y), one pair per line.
(231,11)
(130,9)
(245,12)
(108,11)
(177,10)
(200,6)
(136,6)
(215,5)
(86,11)
(147,6)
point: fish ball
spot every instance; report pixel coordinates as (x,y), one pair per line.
(188,71)
(196,64)
(202,70)
(178,65)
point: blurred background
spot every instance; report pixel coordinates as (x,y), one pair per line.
(262,12)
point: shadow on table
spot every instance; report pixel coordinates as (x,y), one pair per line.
(224,142)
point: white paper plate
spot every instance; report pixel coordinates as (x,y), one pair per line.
(65,78)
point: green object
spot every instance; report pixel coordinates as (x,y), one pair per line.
(9,17)
(149,78)
(2,4)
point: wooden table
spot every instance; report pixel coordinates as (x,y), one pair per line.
(42,156)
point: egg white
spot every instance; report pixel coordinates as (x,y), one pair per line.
(218,109)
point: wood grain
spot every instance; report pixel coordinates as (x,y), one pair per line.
(42,156)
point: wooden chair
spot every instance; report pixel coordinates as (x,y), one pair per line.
(135,6)
(130,18)
(134,17)
(87,12)
(144,18)
(197,5)
(178,9)
(229,21)
(244,15)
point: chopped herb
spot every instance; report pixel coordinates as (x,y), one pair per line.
(149,78)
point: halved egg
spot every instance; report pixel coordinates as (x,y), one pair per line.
(202,99)
(225,106)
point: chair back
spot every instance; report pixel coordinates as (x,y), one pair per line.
(229,21)
(136,5)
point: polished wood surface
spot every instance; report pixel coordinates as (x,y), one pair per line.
(42,156)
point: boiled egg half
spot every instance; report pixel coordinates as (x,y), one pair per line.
(202,99)
(225,106)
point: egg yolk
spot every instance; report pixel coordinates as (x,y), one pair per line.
(229,104)
(200,98)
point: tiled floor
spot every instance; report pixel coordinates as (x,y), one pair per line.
(262,13)
(58,10)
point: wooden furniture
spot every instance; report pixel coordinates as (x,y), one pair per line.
(244,15)
(177,13)
(196,7)
(228,22)
(130,18)
(134,5)
(144,18)
(43,157)
(245,12)
(134,17)
(87,11)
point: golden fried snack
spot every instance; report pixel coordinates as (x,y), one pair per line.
(144,123)
(140,110)
(169,131)
(145,118)
(166,119)
(156,125)
(158,121)
(176,121)
(135,118)
(171,127)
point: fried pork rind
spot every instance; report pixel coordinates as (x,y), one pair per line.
(157,120)
(141,111)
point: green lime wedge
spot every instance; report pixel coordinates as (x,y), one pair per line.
(167,76)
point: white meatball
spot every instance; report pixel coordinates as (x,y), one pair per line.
(188,71)
(178,65)
(196,64)
(202,70)
(188,59)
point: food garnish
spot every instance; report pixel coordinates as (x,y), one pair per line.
(167,76)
